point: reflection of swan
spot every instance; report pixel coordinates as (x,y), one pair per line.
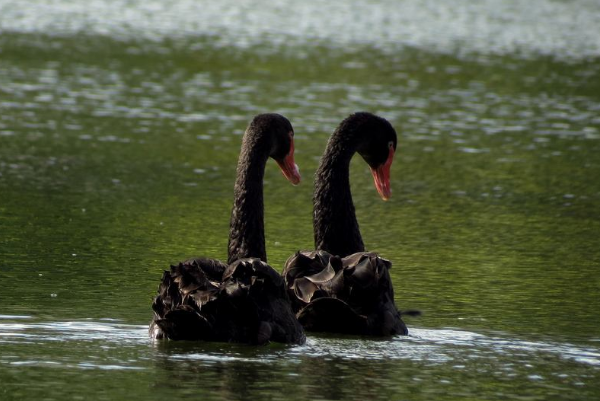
(340,288)
(325,368)
(244,300)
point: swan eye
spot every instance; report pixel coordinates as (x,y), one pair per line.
(390,145)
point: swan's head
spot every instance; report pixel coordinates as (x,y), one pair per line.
(377,146)
(279,135)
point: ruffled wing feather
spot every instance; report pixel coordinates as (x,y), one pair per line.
(351,295)
(205,299)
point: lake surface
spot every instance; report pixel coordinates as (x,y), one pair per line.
(120,126)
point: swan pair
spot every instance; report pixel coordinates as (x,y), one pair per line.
(337,288)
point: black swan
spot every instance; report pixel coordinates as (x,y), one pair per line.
(245,300)
(339,287)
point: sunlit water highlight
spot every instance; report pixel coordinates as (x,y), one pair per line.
(564,29)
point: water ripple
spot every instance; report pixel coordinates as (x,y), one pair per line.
(439,346)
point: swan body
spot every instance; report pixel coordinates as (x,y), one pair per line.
(339,287)
(244,300)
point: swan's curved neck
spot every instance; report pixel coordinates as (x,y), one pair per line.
(334,219)
(246,228)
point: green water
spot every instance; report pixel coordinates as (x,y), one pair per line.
(118,154)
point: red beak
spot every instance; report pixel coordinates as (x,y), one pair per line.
(381,176)
(288,167)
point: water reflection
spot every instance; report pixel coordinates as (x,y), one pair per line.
(332,368)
